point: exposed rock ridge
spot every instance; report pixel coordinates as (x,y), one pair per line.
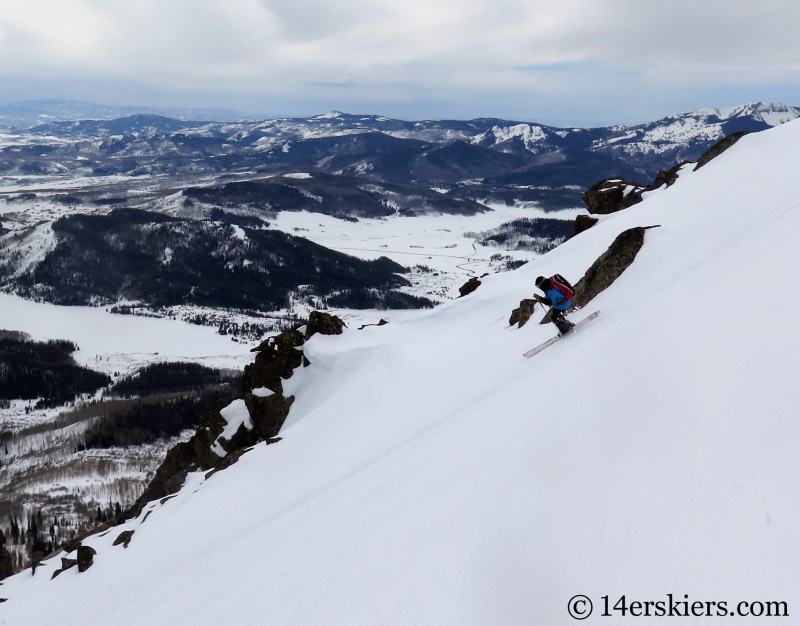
(262,393)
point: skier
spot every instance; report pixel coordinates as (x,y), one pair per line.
(558,293)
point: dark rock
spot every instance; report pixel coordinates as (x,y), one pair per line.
(522,314)
(383,322)
(242,438)
(324,324)
(124,538)
(181,459)
(85,558)
(584,222)
(277,358)
(65,565)
(667,177)
(614,194)
(468,287)
(718,148)
(6,562)
(607,268)
(268,414)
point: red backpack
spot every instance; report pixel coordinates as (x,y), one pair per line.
(562,285)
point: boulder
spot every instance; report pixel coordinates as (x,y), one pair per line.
(614,194)
(84,560)
(468,287)
(584,222)
(324,324)
(523,313)
(124,538)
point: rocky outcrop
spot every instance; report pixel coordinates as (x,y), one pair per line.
(607,268)
(468,287)
(262,392)
(523,313)
(277,358)
(584,222)
(84,560)
(85,557)
(269,413)
(124,538)
(718,148)
(6,563)
(324,324)
(614,194)
(611,195)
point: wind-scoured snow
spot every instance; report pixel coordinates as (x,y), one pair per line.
(429,474)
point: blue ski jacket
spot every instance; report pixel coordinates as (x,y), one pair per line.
(557,299)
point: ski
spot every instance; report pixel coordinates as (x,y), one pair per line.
(550,342)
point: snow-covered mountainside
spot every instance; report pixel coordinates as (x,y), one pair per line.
(428,474)
(680,136)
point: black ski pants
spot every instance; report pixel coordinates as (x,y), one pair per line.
(560,320)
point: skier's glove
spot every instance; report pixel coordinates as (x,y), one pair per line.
(537,297)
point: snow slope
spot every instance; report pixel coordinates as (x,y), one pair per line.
(428,474)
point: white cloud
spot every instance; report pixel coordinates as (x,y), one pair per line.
(373,51)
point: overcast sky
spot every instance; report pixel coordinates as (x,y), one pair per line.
(564,62)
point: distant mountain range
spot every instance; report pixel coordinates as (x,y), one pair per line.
(483,159)
(199,182)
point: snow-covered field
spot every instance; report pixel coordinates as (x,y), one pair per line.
(428,474)
(121,343)
(440,242)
